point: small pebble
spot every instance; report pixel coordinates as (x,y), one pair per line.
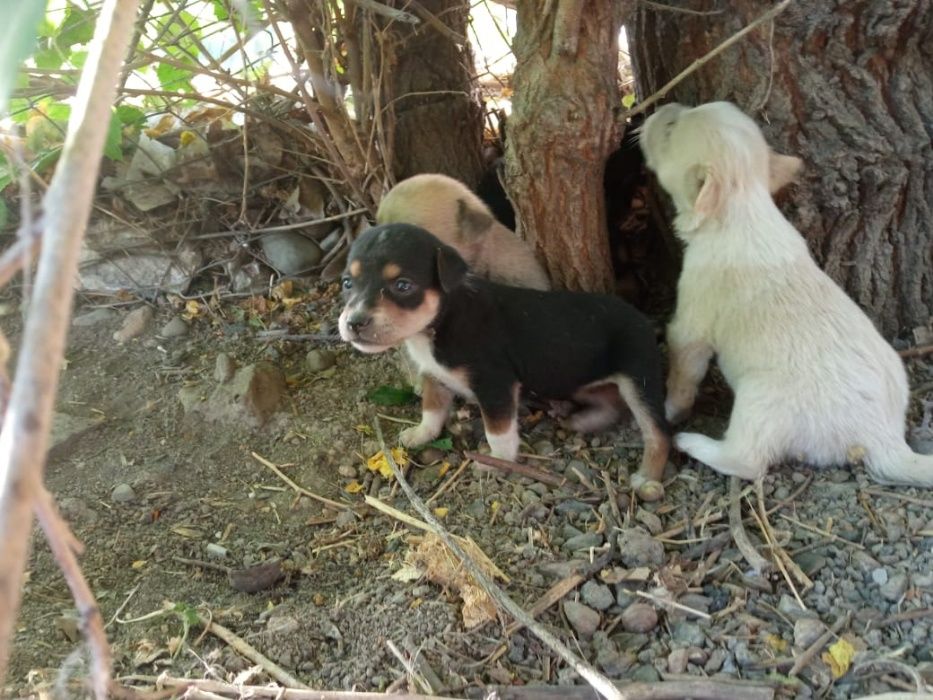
(879,576)
(806,631)
(224,368)
(134,324)
(895,588)
(677,661)
(318,360)
(638,548)
(215,551)
(583,619)
(597,595)
(639,617)
(584,541)
(175,328)
(347,471)
(344,518)
(123,493)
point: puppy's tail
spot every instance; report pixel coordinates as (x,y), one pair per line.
(901,466)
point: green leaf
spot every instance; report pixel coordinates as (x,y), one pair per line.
(392,396)
(174,78)
(77,59)
(113,145)
(19,26)
(220,10)
(628,100)
(445,443)
(59,112)
(49,58)
(4,213)
(130,115)
(46,160)
(77,27)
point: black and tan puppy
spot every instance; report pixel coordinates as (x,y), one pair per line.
(487,341)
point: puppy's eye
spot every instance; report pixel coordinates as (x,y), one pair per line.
(347,283)
(403,285)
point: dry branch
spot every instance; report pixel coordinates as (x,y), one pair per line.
(703,60)
(503,601)
(759,564)
(67,207)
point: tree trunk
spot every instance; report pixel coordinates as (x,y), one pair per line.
(848,87)
(438,125)
(560,133)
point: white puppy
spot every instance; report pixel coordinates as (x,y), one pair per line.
(812,377)
(452,212)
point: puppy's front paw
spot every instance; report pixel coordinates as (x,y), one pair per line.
(676,412)
(417,435)
(504,446)
(646,489)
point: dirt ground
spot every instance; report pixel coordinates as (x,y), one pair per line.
(146,484)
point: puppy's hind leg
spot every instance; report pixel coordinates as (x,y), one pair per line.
(435,407)
(499,406)
(601,411)
(750,442)
(647,480)
(689,361)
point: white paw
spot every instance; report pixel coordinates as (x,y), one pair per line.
(417,435)
(646,489)
(504,446)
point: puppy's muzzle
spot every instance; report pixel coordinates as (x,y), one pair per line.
(358,321)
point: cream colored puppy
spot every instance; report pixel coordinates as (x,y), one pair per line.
(812,377)
(452,212)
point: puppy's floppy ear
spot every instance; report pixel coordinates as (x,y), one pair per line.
(782,170)
(712,191)
(451,268)
(471,222)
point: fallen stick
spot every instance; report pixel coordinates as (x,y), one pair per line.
(807,656)
(918,351)
(243,648)
(668,690)
(759,564)
(299,489)
(509,467)
(265,691)
(503,601)
(24,440)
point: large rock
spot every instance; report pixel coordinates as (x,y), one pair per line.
(290,252)
(252,396)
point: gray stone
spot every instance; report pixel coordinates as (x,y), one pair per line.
(597,595)
(639,617)
(646,674)
(584,541)
(94,318)
(318,360)
(879,576)
(572,507)
(289,252)
(345,518)
(561,569)
(638,548)
(67,430)
(650,521)
(251,397)
(695,601)
(134,323)
(75,510)
(864,562)
(543,447)
(895,587)
(743,655)
(584,620)
(688,634)
(175,328)
(610,660)
(791,608)
(716,659)
(224,368)
(215,551)
(122,493)
(677,661)
(348,471)
(806,631)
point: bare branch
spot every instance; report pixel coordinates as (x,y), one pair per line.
(67,205)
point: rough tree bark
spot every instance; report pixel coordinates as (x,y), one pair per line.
(561,131)
(848,87)
(438,124)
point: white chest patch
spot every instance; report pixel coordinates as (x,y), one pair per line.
(420,350)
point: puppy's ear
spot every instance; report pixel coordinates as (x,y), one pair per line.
(782,170)
(712,192)
(471,222)
(451,268)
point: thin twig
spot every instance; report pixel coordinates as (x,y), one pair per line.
(242,647)
(24,440)
(918,351)
(299,489)
(703,60)
(758,563)
(602,684)
(807,656)
(510,467)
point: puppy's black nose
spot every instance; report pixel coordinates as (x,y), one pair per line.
(358,322)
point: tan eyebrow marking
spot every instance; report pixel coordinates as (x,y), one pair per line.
(391,271)
(355,268)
